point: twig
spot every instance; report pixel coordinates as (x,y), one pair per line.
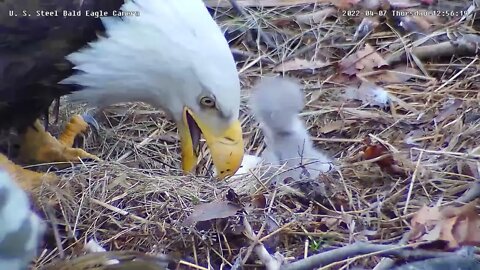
(459,47)
(246,54)
(300,51)
(471,194)
(387,263)
(412,182)
(270,262)
(93,246)
(262,34)
(192,265)
(50,213)
(140,145)
(360,248)
(119,211)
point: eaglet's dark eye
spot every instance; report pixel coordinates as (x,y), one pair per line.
(207,102)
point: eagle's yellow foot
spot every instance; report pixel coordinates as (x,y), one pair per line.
(39,146)
(26,179)
(75,127)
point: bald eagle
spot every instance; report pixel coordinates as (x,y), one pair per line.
(167,53)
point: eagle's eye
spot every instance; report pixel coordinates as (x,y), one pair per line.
(207,102)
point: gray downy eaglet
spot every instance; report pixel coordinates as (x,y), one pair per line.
(276,103)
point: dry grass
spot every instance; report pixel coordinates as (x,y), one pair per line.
(137,199)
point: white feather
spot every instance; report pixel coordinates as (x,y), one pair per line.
(17,220)
(15,209)
(166,56)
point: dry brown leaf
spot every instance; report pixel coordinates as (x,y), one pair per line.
(467,229)
(331,222)
(212,210)
(426,215)
(424,220)
(371,59)
(452,211)
(460,231)
(457,226)
(471,231)
(366,59)
(446,232)
(259,201)
(299,64)
(430,234)
(315,17)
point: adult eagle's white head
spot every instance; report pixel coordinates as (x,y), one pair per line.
(171,55)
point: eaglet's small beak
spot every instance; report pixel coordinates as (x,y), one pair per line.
(226,147)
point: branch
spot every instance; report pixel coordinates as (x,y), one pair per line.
(360,248)
(460,47)
(446,263)
(270,262)
(387,263)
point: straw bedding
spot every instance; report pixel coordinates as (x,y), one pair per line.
(137,199)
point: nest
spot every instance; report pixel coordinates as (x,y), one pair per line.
(138,200)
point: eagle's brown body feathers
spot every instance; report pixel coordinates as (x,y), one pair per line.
(33,50)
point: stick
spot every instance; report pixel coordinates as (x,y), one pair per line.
(387,263)
(270,262)
(459,47)
(246,54)
(471,194)
(50,213)
(359,248)
(262,35)
(140,145)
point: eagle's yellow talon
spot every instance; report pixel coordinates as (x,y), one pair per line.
(75,127)
(39,146)
(28,180)
(68,154)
